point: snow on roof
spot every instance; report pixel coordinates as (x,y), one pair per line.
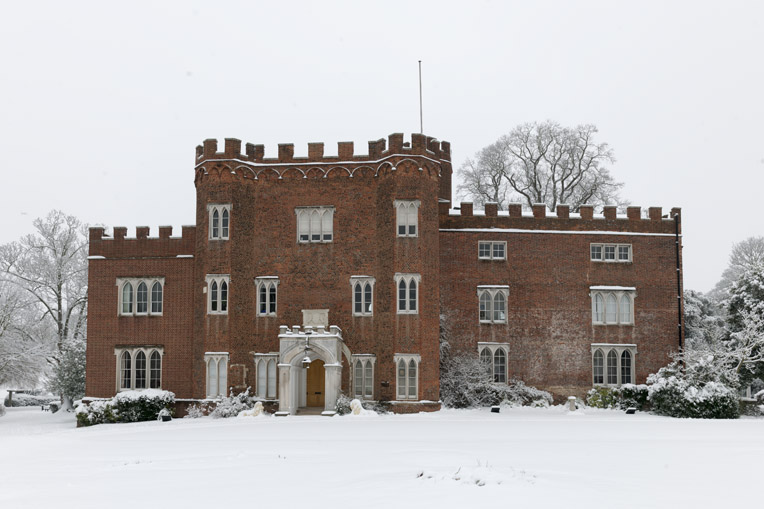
(568,232)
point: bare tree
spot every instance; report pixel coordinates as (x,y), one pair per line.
(50,267)
(23,349)
(543,163)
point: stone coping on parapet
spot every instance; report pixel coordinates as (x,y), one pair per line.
(420,145)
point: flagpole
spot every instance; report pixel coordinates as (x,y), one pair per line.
(421,124)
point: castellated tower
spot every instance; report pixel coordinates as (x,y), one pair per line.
(348,241)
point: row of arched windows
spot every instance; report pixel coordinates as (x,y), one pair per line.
(266,378)
(611,368)
(217,375)
(136,299)
(612,308)
(315,224)
(363,378)
(140,369)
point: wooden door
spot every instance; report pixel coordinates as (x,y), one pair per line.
(316,382)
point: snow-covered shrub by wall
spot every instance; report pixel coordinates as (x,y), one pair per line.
(127,406)
(343,404)
(233,404)
(621,397)
(23,399)
(677,395)
(465,382)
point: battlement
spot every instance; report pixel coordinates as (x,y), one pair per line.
(538,218)
(142,245)
(420,145)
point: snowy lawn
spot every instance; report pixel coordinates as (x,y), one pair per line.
(469,458)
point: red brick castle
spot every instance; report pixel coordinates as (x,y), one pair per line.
(309,276)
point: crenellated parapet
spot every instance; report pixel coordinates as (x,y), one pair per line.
(425,152)
(539,218)
(142,245)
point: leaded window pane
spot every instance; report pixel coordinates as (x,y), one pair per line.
(484,250)
(271,379)
(127,374)
(358,296)
(401,379)
(402,295)
(611,309)
(498,250)
(223,296)
(142,298)
(598,367)
(367,298)
(412,295)
(212,378)
(224,229)
(612,367)
(262,379)
(263,299)
(315,226)
(500,366)
(156,297)
(412,379)
(140,370)
(214,296)
(485,356)
(623,253)
(625,309)
(127,299)
(499,308)
(609,252)
(272,299)
(599,314)
(215,224)
(155,375)
(625,367)
(596,252)
(368,385)
(485,306)
(358,383)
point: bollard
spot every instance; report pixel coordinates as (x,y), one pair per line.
(572,403)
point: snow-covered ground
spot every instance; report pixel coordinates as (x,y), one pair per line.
(519,458)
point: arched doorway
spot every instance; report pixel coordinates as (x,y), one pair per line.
(316,384)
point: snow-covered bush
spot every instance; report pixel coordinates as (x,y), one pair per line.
(621,397)
(233,404)
(678,397)
(343,404)
(24,399)
(381,406)
(127,406)
(465,382)
(196,411)
(2,410)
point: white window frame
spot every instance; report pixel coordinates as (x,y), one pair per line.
(323,230)
(605,349)
(219,279)
(148,351)
(135,282)
(366,388)
(367,308)
(219,208)
(267,282)
(221,375)
(407,215)
(407,279)
(491,291)
(491,244)
(269,390)
(619,292)
(407,358)
(602,247)
(494,347)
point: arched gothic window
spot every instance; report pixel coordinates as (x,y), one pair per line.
(492,303)
(408,297)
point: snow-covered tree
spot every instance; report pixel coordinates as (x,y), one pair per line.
(744,255)
(50,268)
(23,349)
(703,321)
(543,163)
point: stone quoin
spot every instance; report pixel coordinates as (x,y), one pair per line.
(307,277)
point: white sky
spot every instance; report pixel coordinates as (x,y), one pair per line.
(102,104)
